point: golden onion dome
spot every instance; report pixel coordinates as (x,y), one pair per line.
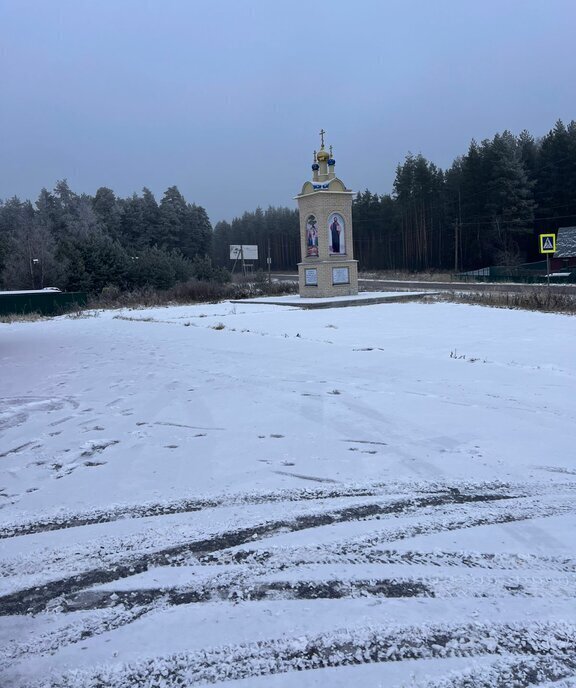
(322,156)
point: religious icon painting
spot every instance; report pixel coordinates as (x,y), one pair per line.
(311,236)
(336,236)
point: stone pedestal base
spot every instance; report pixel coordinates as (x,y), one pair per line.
(322,278)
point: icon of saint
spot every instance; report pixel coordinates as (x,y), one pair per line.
(312,236)
(335,230)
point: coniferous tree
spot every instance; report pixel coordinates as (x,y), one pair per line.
(529,154)
(4,244)
(132,224)
(417,189)
(509,199)
(556,184)
(172,219)
(221,242)
(14,216)
(105,261)
(196,235)
(31,261)
(150,218)
(108,211)
(152,268)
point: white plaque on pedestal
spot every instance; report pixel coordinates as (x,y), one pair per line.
(340,276)
(311,277)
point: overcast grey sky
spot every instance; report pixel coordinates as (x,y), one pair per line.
(225,98)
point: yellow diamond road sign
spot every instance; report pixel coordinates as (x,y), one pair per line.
(547,243)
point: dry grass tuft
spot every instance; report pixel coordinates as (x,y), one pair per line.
(194,291)
(431,276)
(544,300)
(22,317)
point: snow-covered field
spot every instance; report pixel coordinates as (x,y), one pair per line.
(256,496)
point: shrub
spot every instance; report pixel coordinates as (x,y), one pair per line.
(192,291)
(542,299)
(110,292)
(202,269)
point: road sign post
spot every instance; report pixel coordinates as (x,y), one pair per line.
(243,252)
(547,246)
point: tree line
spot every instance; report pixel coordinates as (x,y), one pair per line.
(276,230)
(483,210)
(80,242)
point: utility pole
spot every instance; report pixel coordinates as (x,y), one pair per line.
(269,261)
(456,229)
(35,263)
(458,233)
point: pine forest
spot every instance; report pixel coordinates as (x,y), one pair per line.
(485,209)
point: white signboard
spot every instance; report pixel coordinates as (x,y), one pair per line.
(340,276)
(246,251)
(311,277)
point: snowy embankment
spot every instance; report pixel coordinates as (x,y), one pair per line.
(250,495)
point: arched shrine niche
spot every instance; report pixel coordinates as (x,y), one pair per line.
(336,234)
(311,236)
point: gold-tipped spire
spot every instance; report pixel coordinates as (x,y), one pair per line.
(330,151)
(322,155)
(314,156)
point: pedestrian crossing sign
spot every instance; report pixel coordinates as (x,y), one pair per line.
(547,243)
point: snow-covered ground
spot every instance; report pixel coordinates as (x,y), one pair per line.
(260,496)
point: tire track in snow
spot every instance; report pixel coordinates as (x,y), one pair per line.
(557,672)
(37,598)
(247,588)
(359,547)
(61,521)
(79,630)
(491,516)
(554,642)
(493,509)
(107,551)
(281,558)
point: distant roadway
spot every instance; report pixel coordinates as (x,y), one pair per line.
(372,284)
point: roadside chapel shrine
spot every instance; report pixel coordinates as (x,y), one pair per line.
(328,267)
